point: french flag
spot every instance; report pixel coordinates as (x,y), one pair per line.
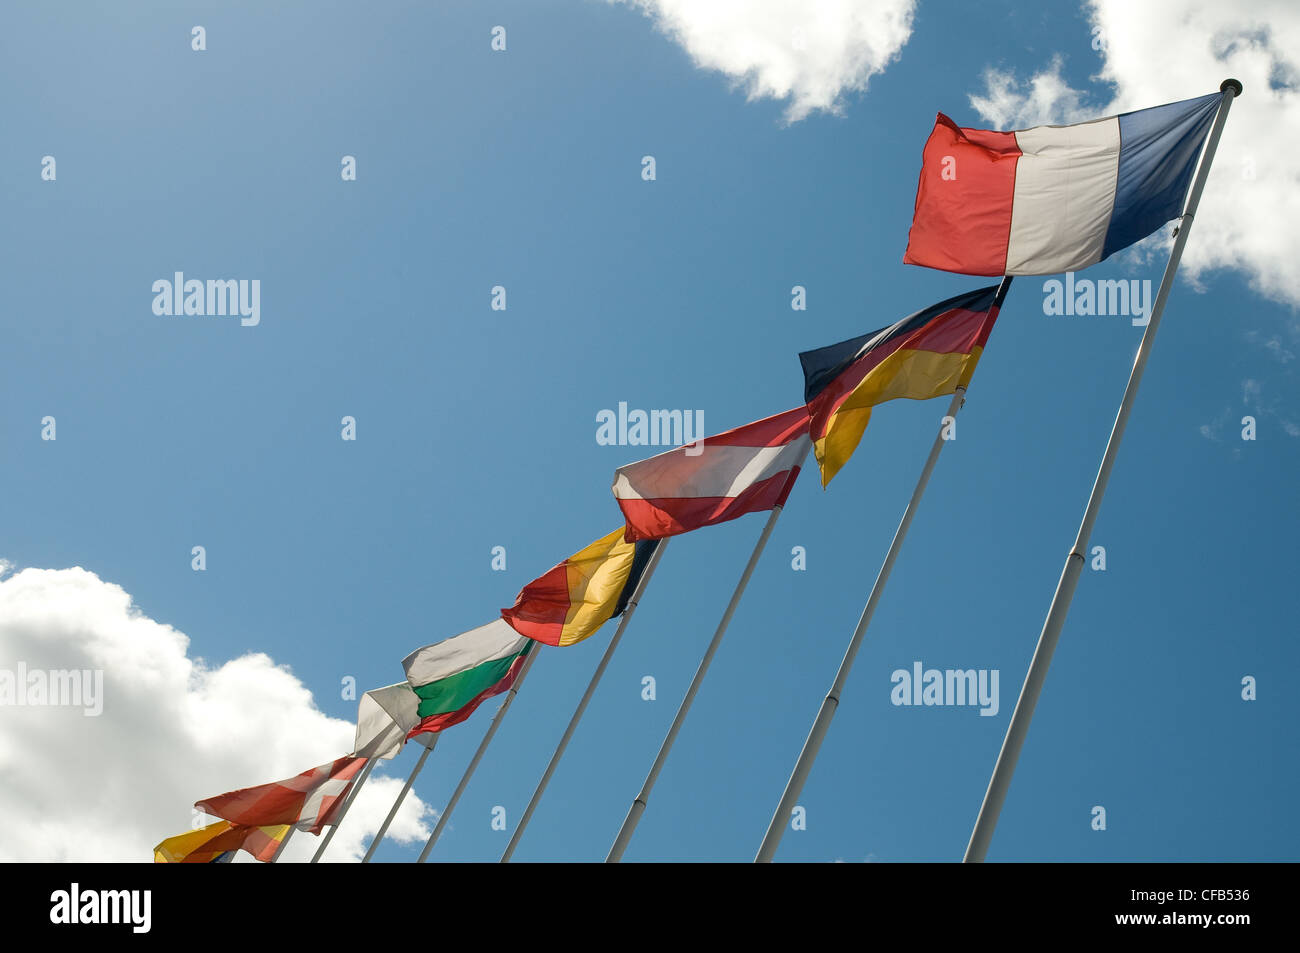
(1052,199)
(719,478)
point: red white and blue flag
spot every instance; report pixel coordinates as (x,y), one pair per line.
(1052,199)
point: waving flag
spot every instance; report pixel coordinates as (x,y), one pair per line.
(308,801)
(1053,198)
(384,718)
(741,471)
(453,677)
(573,599)
(925,355)
(217,843)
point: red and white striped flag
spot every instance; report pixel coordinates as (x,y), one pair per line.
(309,800)
(745,470)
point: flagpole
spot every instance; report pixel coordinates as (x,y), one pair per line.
(478,755)
(383,828)
(639,803)
(343,812)
(812,745)
(283,843)
(996,794)
(582,705)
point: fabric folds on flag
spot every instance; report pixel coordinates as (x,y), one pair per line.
(309,801)
(217,844)
(1053,198)
(385,716)
(573,599)
(717,479)
(453,677)
(927,354)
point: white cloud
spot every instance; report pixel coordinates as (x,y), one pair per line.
(1256,404)
(1272,344)
(1046,97)
(1159,51)
(1265,408)
(809,54)
(173,730)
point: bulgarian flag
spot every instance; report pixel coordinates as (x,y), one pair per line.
(309,801)
(716,479)
(573,599)
(453,677)
(217,843)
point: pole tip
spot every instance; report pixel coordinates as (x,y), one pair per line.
(1231,84)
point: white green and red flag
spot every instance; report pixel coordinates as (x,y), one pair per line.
(453,677)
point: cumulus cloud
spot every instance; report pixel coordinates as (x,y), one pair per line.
(808,54)
(1163,50)
(1046,97)
(173,729)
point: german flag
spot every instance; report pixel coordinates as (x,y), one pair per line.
(576,597)
(927,354)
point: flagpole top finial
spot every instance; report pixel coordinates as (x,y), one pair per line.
(1233,84)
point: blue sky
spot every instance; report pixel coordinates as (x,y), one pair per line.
(476,428)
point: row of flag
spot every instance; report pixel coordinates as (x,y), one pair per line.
(1039,201)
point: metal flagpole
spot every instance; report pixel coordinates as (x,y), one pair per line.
(347,804)
(1060,608)
(639,804)
(813,743)
(478,755)
(582,705)
(383,828)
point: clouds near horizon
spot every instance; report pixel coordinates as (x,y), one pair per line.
(173,729)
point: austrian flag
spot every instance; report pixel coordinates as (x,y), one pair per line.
(745,470)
